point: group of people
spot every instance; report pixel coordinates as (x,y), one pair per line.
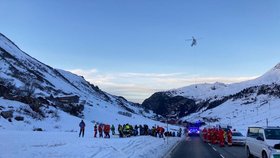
(217,136)
(173,134)
(128,130)
(103,128)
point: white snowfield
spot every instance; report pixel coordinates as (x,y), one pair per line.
(25,144)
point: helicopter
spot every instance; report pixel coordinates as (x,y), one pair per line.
(194,41)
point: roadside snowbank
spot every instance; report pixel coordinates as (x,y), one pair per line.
(29,144)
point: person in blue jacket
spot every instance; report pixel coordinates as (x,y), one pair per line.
(82,128)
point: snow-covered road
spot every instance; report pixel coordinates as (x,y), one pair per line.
(29,144)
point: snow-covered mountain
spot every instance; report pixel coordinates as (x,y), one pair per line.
(33,94)
(219,102)
(208,91)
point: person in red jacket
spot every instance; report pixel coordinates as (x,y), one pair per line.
(82,128)
(204,134)
(229,137)
(100,130)
(95,130)
(107,131)
(222,137)
(160,132)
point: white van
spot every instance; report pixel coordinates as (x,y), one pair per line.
(263,142)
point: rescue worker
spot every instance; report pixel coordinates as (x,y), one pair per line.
(146,130)
(135,131)
(126,130)
(113,129)
(131,130)
(179,132)
(120,129)
(229,137)
(95,130)
(209,135)
(204,134)
(154,131)
(100,130)
(222,137)
(141,130)
(107,131)
(213,136)
(161,131)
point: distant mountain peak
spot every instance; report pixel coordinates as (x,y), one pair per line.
(277,67)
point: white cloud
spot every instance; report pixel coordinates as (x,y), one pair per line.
(139,86)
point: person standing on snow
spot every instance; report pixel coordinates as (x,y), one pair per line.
(95,130)
(113,129)
(120,129)
(82,128)
(106,131)
(100,130)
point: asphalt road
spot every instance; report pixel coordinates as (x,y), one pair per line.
(194,147)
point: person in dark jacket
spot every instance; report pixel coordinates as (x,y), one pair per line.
(82,128)
(146,129)
(95,130)
(100,130)
(141,130)
(120,129)
(135,131)
(113,129)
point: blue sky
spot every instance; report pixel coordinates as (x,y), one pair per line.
(134,48)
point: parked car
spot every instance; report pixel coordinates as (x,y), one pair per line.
(263,142)
(238,138)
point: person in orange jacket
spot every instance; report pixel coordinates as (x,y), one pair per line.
(204,134)
(209,135)
(229,137)
(222,137)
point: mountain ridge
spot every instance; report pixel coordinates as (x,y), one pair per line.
(207,96)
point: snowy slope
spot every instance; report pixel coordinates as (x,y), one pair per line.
(29,100)
(240,115)
(19,69)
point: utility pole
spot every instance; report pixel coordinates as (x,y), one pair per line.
(269,108)
(167,116)
(229,120)
(167,128)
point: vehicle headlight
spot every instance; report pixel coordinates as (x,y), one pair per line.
(271,148)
